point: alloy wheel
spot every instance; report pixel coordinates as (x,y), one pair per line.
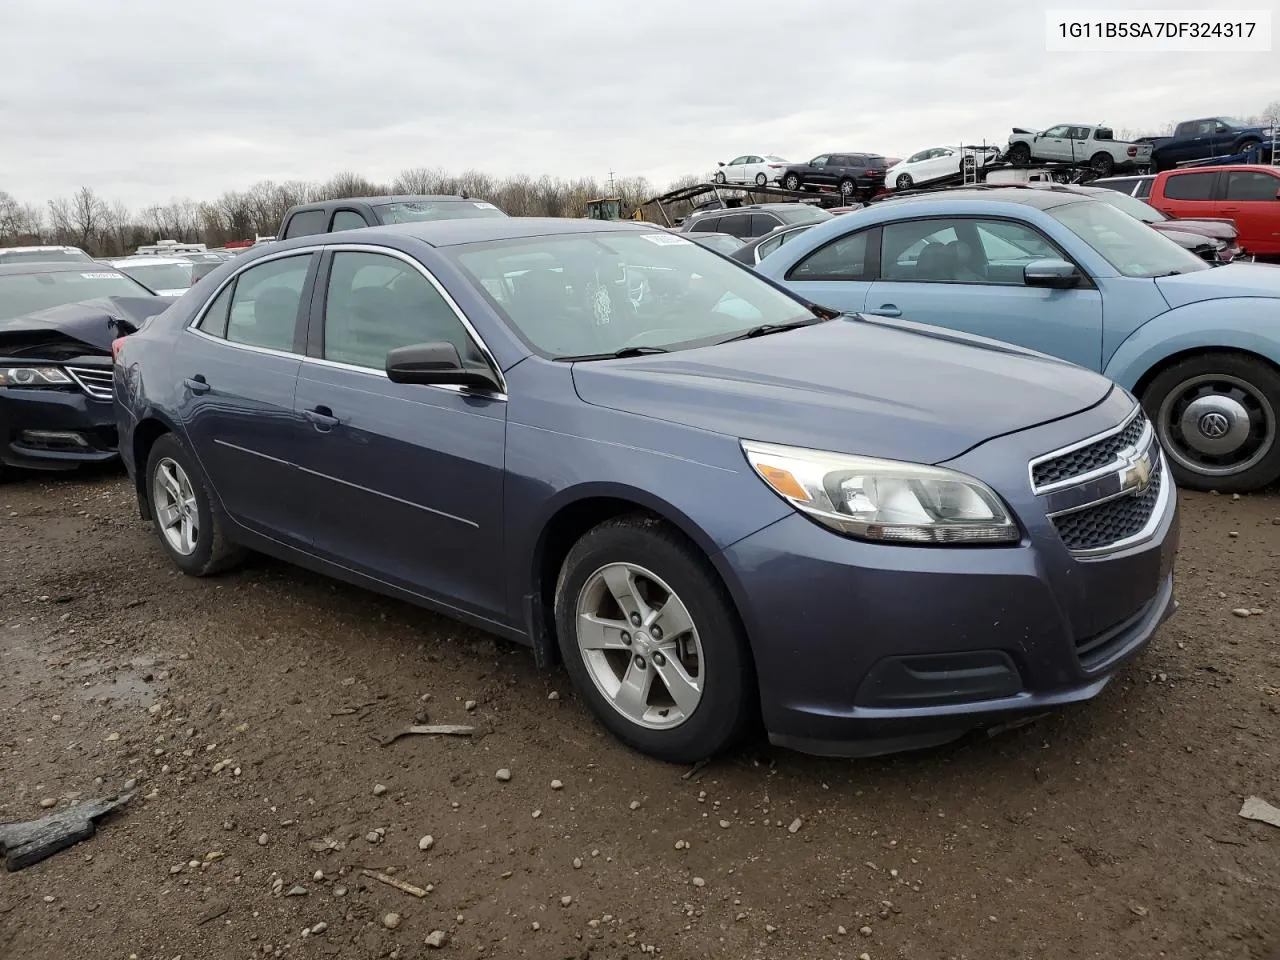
(176,510)
(640,646)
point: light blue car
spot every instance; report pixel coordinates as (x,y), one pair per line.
(1066,275)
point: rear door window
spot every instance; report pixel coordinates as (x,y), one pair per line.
(737,225)
(264,307)
(706,225)
(1190,186)
(306,224)
(762,223)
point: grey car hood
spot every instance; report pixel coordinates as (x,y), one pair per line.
(882,388)
(1228,280)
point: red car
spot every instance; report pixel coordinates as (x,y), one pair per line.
(1248,194)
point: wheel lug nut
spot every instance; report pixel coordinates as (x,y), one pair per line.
(659,660)
(640,662)
(635,619)
(626,638)
(656,633)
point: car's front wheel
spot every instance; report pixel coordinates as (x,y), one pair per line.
(761,180)
(1215,415)
(904,181)
(652,641)
(719,177)
(190,530)
(792,182)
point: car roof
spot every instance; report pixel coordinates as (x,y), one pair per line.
(141,260)
(57,266)
(1229,168)
(1019,193)
(376,201)
(43,246)
(1129,176)
(749,206)
(448,233)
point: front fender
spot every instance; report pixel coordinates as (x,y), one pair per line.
(1237,323)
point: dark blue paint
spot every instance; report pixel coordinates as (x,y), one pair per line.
(445,498)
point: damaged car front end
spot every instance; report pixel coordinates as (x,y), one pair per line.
(56,381)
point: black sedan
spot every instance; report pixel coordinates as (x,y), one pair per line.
(57,322)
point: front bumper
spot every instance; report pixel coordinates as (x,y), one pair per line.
(864,649)
(54,429)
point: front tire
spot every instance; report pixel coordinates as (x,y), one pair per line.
(652,641)
(761,180)
(904,182)
(719,177)
(791,182)
(190,530)
(1216,417)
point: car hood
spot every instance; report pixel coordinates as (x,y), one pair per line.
(74,329)
(878,387)
(1218,229)
(1228,280)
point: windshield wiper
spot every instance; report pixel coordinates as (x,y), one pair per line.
(767,328)
(617,354)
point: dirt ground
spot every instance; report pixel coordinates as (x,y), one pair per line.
(248,710)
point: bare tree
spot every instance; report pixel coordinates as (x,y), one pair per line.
(88,217)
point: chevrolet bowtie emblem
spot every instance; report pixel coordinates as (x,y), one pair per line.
(1137,472)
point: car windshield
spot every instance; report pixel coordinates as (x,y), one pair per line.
(160,276)
(1130,246)
(722,242)
(594,294)
(1232,122)
(412,211)
(1130,205)
(43,256)
(23,293)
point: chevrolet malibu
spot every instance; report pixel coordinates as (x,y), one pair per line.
(713,501)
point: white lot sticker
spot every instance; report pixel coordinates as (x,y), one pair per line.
(99,276)
(664,239)
(485,206)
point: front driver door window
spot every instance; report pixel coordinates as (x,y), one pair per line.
(406,479)
(837,274)
(967,274)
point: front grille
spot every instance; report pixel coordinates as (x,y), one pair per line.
(1104,524)
(1087,459)
(95,381)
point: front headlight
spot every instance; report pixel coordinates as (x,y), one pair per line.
(33,377)
(884,500)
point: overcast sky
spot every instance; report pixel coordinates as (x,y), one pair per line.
(148,101)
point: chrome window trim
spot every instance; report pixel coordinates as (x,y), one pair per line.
(1142,443)
(309,249)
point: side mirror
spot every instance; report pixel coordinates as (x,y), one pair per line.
(1058,274)
(719,164)
(434,363)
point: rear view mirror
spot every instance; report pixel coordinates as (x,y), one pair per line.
(435,363)
(1058,274)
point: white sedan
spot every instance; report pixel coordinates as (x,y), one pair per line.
(760,169)
(934,164)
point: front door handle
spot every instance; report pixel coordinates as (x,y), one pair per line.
(1229,209)
(322,418)
(197,384)
(887,310)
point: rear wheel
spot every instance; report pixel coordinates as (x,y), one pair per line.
(1249,144)
(1215,415)
(181,508)
(1102,163)
(652,641)
(848,188)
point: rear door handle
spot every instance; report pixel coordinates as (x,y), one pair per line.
(197,384)
(887,310)
(322,418)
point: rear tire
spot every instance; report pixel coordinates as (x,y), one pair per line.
(1216,417)
(1019,153)
(663,579)
(1102,163)
(210,550)
(848,188)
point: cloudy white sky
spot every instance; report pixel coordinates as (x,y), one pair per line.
(147,101)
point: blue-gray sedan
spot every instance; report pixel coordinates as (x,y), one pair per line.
(713,501)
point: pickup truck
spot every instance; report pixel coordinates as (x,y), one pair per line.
(1077,143)
(352,213)
(1205,138)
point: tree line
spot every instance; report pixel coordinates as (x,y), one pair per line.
(105,228)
